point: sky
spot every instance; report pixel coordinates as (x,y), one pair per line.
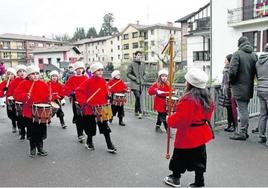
(48,17)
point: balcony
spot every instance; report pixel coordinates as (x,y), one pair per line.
(248,15)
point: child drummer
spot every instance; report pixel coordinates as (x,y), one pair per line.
(56,94)
(92,93)
(161,90)
(32,90)
(117,86)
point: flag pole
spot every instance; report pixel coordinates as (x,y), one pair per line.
(170,78)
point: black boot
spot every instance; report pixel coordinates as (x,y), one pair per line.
(228,128)
(110,146)
(32,148)
(199,180)
(121,121)
(89,144)
(40,149)
(62,122)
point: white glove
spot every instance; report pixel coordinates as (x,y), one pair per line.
(159,92)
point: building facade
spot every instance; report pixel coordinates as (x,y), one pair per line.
(17,49)
(55,57)
(240,17)
(151,40)
(196,38)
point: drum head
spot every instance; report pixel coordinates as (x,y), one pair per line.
(54,105)
(119,94)
(174,98)
(10,98)
(18,102)
(42,105)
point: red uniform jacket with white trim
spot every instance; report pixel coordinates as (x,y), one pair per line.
(55,90)
(159,99)
(39,94)
(87,89)
(189,111)
(13,85)
(72,83)
(117,86)
(2,86)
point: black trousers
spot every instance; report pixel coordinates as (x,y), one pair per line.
(78,119)
(35,132)
(22,125)
(137,94)
(90,125)
(161,118)
(119,110)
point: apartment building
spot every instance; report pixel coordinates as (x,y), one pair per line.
(17,49)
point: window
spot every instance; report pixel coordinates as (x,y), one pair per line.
(58,60)
(126,46)
(146,56)
(112,50)
(102,58)
(20,55)
(40,45)
(49,60)
(6,45)
(126,56)
(135,45)
(146,45)
(135,35)
(111,42)
(118,47)
(102,50)
(125,36)
(141,44)
(152,32)
(118,38)
(40,61)
(152,42)
(118,56)
(6,55)
(201,56)
(96,55)
(19,45)
(112,58)
(96,47)
(89,59)
(254,39)
(152,54)
(93,59)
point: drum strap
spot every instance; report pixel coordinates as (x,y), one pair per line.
(93,95)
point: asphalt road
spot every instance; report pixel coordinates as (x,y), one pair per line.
(140,161)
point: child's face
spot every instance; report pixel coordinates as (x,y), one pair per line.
(226,62)
(79,71)
(117,77)
(21,73)
(98,73)
(54,78)
(164,77)
(34,76)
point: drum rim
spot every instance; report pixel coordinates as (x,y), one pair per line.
(42,105)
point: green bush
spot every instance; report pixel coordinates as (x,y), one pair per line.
(179,76)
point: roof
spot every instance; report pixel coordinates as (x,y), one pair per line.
(56,49)
(27,37)
(185,18)
(90,40)
(154,26)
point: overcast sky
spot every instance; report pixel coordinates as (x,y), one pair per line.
(47,17)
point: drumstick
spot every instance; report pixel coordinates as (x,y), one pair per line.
(7,84)
(30,92)
(93,95)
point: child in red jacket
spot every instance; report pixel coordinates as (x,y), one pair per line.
(161,90)
(191,119)
(56,94)
(117,86)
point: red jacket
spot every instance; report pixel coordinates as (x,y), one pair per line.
(39,94)
(2,86)
(72,83)
(55,90)
(159,100)
(118,86)
(190,111)
(87,89)
(12,86)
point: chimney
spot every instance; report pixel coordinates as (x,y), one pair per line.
(138,22)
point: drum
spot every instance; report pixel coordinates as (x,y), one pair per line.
(103,113)
(18,107)
(42,113)
(119,99)
(55,107)
(10,103)
(174,101)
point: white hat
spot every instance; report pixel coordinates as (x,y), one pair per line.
(163,71)
(197,78)
(96,66)
(115,73)
(32,69)
(20,67)
(11,70)
(79,64)
(54,72)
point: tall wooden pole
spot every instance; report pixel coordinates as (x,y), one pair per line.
(170,78)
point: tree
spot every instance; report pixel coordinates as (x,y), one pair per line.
(62,37)
(107,25)
(79,34)
(92,32)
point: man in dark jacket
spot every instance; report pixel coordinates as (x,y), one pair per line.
(262,92)
(242,73)
(136,74)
